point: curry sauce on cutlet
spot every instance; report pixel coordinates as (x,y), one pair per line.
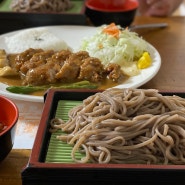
(36,67)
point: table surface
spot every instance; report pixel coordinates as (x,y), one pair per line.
(170,42)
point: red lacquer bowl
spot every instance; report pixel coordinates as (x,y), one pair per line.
(8,117)
(120,12)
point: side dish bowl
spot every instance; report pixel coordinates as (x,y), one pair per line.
(120,12)
(8,120)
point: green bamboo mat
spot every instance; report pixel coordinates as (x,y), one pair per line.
(5,6)
(58,151)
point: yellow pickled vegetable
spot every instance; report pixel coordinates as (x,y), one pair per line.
(145,61)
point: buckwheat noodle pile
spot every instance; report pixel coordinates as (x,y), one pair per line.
(127,126)
(42,6)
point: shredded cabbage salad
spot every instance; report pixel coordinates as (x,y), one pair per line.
(112,44)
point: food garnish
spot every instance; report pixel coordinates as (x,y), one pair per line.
(31,89)
(113,44)
(145,61)
(112,29)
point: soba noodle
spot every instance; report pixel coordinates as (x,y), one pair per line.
(42,6)
(127,126)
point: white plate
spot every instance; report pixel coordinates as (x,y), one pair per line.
(73,35)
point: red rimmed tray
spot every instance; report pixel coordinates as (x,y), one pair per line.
(41,171)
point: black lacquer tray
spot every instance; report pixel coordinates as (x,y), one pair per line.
(48,166)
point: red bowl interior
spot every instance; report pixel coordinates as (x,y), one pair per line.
(8,114)
(109,6)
